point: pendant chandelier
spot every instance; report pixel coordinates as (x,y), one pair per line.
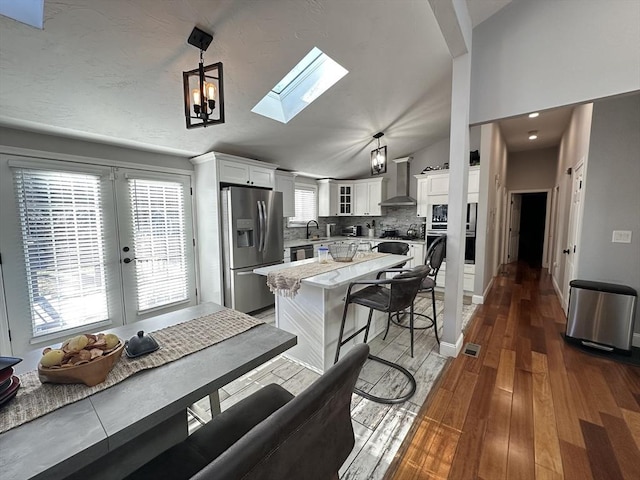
(379,157)
(203,87)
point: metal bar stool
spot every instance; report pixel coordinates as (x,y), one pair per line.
(433,261)
(400,294)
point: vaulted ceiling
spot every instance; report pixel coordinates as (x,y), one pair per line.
(111,71)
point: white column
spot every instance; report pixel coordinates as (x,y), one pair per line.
(455,24)
(451,341)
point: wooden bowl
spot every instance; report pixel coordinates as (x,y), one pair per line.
(90,374)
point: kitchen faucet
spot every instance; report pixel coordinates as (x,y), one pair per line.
(317,226)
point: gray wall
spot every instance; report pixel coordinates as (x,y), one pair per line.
(612,194)
(67,146)
(538,54)
(532,169)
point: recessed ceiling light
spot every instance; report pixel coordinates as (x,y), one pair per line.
(533,134)
(533,115)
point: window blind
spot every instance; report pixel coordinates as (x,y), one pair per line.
(157,212)
(306,204)
(63,242)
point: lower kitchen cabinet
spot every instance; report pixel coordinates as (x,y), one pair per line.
(469,271)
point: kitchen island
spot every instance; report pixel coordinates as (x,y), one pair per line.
(315,312)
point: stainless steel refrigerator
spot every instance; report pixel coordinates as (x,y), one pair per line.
(252,237)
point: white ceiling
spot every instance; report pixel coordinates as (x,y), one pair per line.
(111,71)
(550,125)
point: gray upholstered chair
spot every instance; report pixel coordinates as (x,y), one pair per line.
(271,434)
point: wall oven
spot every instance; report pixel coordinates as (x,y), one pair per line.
(439,215)
(469,245)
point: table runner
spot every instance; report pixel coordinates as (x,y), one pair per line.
(35,399)
(286,282)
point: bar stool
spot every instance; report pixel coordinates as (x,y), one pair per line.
(433,261)
(400,294)
(396,248)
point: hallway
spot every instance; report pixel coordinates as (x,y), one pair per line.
(530,406)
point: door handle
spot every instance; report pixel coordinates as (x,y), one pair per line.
(266,226)
(567,251)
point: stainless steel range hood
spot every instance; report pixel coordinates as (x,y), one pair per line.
(402,185)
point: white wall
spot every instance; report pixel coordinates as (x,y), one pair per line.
(532,169)
(574,148)
(67,146)
(612,195)
(493,161)
(538,54)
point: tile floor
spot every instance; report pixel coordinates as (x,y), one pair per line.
(379,429)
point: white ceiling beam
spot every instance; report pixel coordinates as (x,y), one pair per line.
(455,24)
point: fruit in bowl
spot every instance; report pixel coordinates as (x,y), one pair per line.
(84,359)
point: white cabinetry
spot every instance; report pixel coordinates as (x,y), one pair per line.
(285,183)
(357,197)
(416,250)
(241,171)
(327,198)
(367,197)
(433,189)
(345,199)
(468,276)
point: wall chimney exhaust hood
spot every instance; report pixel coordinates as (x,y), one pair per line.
(402,185)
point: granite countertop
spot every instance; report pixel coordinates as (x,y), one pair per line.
(341,276)
(311,241)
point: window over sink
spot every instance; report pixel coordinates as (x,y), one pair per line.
(306,203)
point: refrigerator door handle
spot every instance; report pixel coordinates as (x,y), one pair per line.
(261,226)
(266,226)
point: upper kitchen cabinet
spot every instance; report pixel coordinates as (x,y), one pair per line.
(367,196)
(345,199)
(327,198)
(433,189)
(360,198)
(285,183)
(242,171)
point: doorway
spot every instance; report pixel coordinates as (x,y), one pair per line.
(528,227)
(532,219)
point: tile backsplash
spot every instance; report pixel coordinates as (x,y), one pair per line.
(393,218)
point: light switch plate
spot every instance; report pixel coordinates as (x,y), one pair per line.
(621,236)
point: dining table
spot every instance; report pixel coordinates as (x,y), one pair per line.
(110,434)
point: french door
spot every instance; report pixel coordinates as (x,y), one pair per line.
(86,247)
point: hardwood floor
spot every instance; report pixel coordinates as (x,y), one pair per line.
(530,406)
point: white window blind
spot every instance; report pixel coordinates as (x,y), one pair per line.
(306,204)
(157,210)
(63,243)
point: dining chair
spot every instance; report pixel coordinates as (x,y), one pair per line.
(272,434)
(387,295)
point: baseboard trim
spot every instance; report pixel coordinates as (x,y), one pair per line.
(635,341)
(452,349)
(557,289)
(477,299)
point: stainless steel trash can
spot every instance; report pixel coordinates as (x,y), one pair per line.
(601,315)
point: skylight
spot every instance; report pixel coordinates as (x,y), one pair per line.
(30,12)
(309,79)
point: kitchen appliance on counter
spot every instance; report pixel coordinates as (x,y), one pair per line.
(412,231)
(252,237)
(389,233)
(352,231)
(331,230)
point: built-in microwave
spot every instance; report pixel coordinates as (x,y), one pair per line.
(440,213)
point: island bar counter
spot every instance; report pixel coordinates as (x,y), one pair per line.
(315,313)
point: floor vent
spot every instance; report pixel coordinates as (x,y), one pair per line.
(472,349)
